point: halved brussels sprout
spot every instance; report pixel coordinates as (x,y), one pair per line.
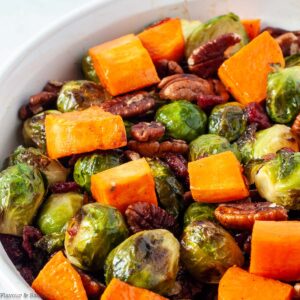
(188,27)
(94,231)
(147,259)
(207,251)
(51,242)
(182,119)
(278,180)
(208,144)
(292,61)
(34,130)
(169,190)
(199,212)
(21,193)
(88,69)
(283,95)
(88,165)
(228,120)
(213,28)
(53,170)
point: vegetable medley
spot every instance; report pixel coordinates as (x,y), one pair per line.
(171,171)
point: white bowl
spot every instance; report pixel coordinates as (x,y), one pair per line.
(56,54)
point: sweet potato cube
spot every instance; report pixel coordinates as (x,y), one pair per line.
(217,178)
(252,27)
(124,185)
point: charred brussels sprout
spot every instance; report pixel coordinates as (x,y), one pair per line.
(292,61)
(208,144)
(94,231)
(182,119)
(51,168)
(88,69)
(88,165)
(188,27)
(169,190)
(283,95)
(21,193)
(207,251)
(147,259)
(199,212)
(51,242)
(228,120)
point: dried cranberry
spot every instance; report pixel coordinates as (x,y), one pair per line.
(13,247)
(207,102)
(64,187)
(30,236)
(256,114)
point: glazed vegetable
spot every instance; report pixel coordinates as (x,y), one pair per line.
(217,178)
(278,180)
(34,130)
(239,284)
(124,185)
(164,40)
(208,144)
(121,73)
(275,249)
(88,69)
(57,210)
(168,188)
(251,86)
(188,27)
(94,231)
(119,290)
(152,258)
(292,60)
(227,120)
(89,165)
(80,94)
(182,119)
(207,251)
(214,28)
(59,280)
(252,27)
(53,170)
(199,212)
(21,193)
(51,243)
(283,98)
(83,131)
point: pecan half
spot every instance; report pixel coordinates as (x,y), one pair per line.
(243,216)
(206,59)
(145,132)
(256,114)
(166,68)
(53,86)
(289,43)
(296,126)
(276,31)
(131,155)
(130,105)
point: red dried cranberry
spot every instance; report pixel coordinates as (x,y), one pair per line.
(256,114)
(64,187)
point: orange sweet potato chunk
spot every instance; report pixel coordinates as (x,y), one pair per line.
(123,65)
(245,73)
(252,27)
(83,131)
(124,185)
(58,280)
(217,178)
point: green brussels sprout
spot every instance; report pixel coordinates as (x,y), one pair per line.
(292,61)
(283,95)
(51,242)
(53,170)
(278,180)
(214,28)
(208,144)
(251,169)
(228,120)
(207,251)
(94,231)
(88,165)
(88,69)
(199,212)
(34,130)
(169,190)
(57,210)
(21,193)
(80,94)
(188,27)
(148,259)
(182,119)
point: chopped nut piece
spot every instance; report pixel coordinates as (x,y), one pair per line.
(145,132)
(166,68)
(289,43)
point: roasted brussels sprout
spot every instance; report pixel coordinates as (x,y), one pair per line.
(34,130)
(208,144)
(88,69)
(207,251)
(199,212)
(21,193)
(188,27)
(53,170)
(278,180)
(214,28)
(57,210)
(182,119)
(283,95)
(88,165)
(51,242)
(169,190)
(147,259)
(94,231)
(293,60)
(80,94)
(228,120)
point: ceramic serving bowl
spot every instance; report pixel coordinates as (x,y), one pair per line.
(56,54)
